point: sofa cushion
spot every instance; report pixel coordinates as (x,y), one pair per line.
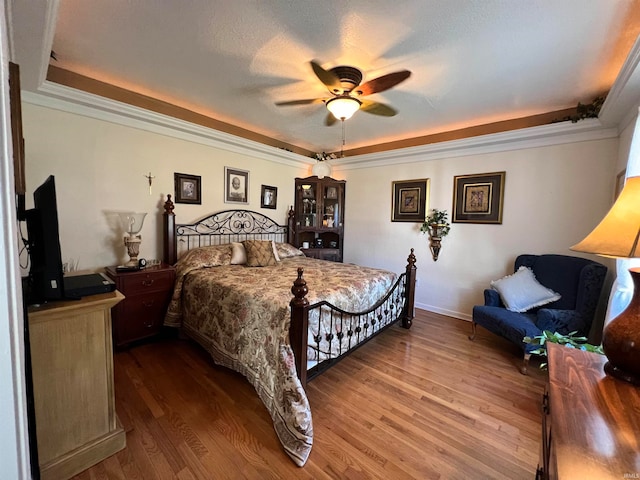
(521,291)
(560,273)
(510,325)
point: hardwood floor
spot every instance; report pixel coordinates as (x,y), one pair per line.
(424,403)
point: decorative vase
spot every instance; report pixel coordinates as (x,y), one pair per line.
(435,237)
(621,339)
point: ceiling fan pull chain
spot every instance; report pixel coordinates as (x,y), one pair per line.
(342,148)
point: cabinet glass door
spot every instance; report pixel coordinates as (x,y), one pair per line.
(308,214)
(331,217)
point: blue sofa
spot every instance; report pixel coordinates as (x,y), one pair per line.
(579,281)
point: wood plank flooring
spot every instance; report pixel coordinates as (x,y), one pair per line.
(425,403)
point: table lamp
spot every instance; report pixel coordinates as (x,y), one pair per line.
(617,236)
(132,223)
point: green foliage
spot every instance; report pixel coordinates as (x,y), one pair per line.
(438,217)
(569,340)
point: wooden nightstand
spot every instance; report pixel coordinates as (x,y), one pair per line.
(147,294)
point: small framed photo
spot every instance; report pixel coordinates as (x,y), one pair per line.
(478,198)
(268,196)
(236,185)
(332,193)
(409,200)
(187,188)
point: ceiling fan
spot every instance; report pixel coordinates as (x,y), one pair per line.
(343,83)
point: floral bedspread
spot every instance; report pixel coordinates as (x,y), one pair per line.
(241,315)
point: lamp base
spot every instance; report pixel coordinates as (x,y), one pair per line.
(621,339)
(133,249)
(620,374)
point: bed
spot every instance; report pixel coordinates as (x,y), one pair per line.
(263,309)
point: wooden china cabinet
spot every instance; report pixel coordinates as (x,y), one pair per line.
(319,217)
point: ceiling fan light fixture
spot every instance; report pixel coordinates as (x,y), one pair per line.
(343,107)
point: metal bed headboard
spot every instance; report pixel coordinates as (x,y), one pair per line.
(218,229)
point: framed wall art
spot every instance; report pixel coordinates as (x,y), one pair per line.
(268,197)
(236,185)
(188,188)
(478,198)
(409,200)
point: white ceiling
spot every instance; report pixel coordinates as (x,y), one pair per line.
(472,62)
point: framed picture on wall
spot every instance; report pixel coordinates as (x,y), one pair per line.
(236,185)
(478,198)
(188,188)
(409,200)
(268,197)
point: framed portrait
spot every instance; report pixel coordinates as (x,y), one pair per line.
(332,193)
(409,200)
(478,198)
(268,196)
(188,188)
(236,185)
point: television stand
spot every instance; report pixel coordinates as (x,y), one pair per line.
(74,401)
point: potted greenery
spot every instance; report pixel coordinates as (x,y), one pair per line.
(569,340)
(436,225)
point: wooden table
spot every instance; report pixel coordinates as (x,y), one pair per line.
(594,419)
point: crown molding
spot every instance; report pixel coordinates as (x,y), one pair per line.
(532,137)
(60,97)
(621,105)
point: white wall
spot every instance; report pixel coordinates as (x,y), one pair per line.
(100,166)
(554,196)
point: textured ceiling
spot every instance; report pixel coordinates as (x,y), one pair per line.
(472,62)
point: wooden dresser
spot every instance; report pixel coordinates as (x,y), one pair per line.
(592,426)
(72,364)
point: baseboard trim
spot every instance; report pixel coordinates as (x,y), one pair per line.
(444,311)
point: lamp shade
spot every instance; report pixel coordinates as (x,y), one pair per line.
(132,222)
(343,107)
(321,169)
(617,234)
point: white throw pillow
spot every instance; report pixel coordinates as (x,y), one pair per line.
(521,291)
(239,254)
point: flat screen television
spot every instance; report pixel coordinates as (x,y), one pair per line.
(45,274)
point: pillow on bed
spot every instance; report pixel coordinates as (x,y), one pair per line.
(238,254)
(286,250)
(212,256)
(521,291)
(259,253)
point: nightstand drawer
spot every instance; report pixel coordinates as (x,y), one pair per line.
(146,282)
(143,317)
(147,293)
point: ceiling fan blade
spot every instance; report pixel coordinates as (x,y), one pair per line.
(382,83)
(300,102)
(330,119)
(377,108)
(328,78)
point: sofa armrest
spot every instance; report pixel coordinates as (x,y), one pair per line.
(561,321)
(492,298)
